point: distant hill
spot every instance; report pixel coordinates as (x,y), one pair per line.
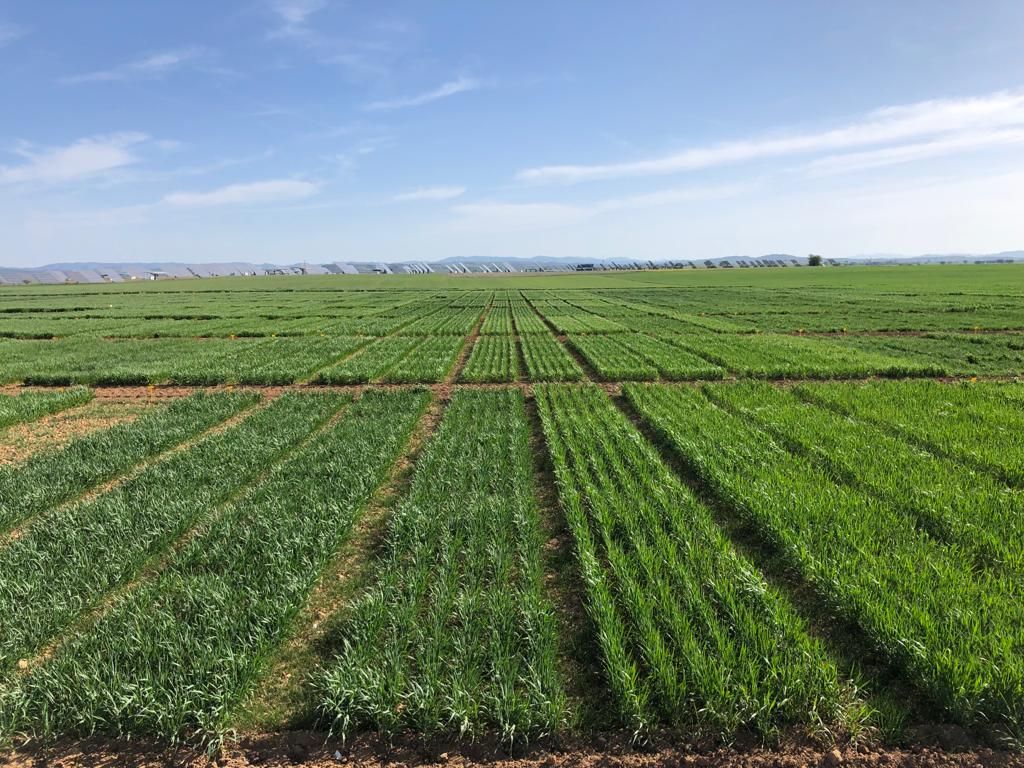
(100,272)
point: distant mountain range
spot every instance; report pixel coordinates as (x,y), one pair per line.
(936,258)
(99,272)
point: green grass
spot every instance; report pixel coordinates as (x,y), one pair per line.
(175,656)
(691,635)
(492,359)
(51,477)
(63,563)
(953,632)
(29,406)
(457,635)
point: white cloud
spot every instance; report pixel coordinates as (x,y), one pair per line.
(451,88)
(883,126)
(905,153)
(676,196)
(150,67)
(9,33)
(431,193)
(85,158)
(502,216)
(294,13)
(364,51)
(270,191)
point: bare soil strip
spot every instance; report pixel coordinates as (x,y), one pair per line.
(315,750)
(135,470)
(22,441)
(285,698)
(444,389)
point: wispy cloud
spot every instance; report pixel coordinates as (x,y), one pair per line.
(505,216)
(905,153)
(85,158)
(10,32)
(150,67)
(293,14)
(257,192)
(365,53)
(945,117)
(443,91)
(431,193)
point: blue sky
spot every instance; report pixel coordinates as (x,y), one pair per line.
(289,130)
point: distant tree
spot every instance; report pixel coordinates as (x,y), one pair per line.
(814,260)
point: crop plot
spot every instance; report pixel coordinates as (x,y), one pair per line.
(211,615)
(51,572)
(690,634)
(493,359)
(29,406)
(971,424)
(52,432)
(649,507)
(50,478)
(864,557)
(457,634)
(547,360)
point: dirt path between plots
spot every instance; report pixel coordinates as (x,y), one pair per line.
(22,441)
(446,388)
(311,749)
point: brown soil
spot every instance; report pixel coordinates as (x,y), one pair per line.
(976,331)
(313,749)
(22,441)
(444,389)
(142,466)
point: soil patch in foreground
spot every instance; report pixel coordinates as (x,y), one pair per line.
(308,748)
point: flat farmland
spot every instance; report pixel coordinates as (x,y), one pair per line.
(665,515)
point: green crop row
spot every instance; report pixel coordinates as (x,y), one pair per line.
(962,507)
(498,321)
(457,635)
(525,319)
(611,360)
(175,656)
(63,562)
(29,406)
(639,357)
(953,631)
(494,358)
(691,635)
(52,477)
(449,321)
(580,322)
(775,356)
(970,423)
(431,360)
(178,361)
(370,363)
(547,360)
